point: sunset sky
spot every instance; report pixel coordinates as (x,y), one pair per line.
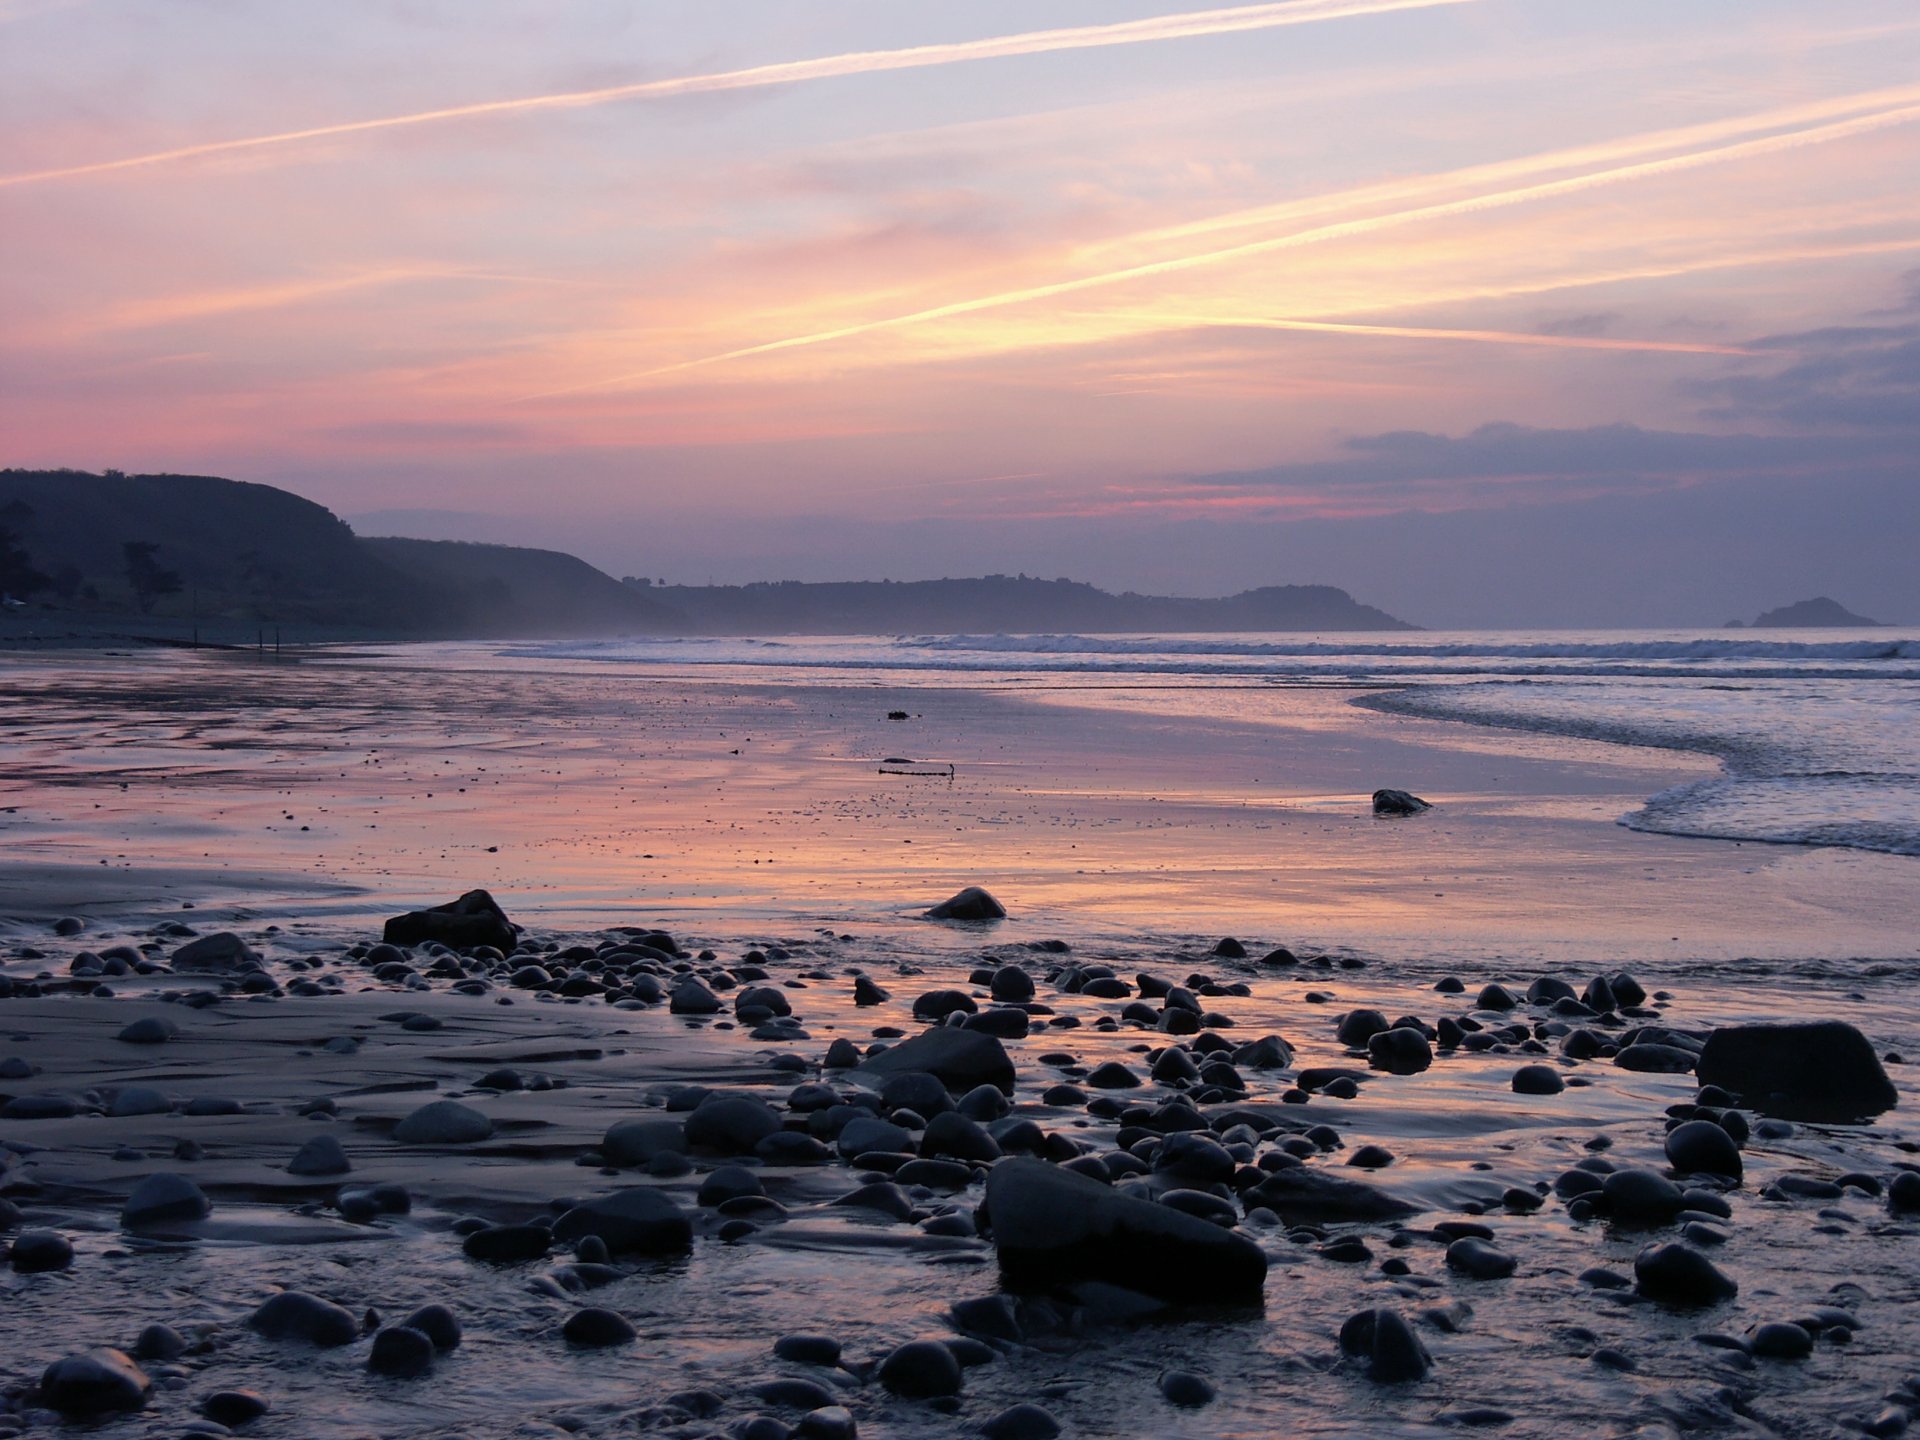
(1494,311)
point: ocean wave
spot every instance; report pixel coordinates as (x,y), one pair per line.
(1701,648)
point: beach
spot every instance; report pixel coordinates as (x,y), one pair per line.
(749,825)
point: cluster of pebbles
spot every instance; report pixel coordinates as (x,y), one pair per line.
(1163,1185)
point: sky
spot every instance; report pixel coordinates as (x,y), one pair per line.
(1495,312)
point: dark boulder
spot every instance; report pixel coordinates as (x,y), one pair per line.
(1302,1194)
(218,954)
(638,1221)
(1053,1225)
(164,1199)
(972,903)
(1398,802)
(1392,1352)
(1701,1145)
(296,1315)
(1822,1071)
(94,1382)
(961,1058)
(464,924)
(1677,1275)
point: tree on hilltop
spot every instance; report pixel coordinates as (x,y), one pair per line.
(18,576)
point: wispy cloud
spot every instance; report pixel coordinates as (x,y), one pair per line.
(1487,200)
(1164,320)
(1189,25)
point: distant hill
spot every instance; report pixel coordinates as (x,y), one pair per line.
(229,551)
(1002,603)
(1807,614)
(180,551)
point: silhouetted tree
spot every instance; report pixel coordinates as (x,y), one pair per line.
(18,577)
(149,579)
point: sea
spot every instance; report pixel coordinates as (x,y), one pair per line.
(1817,731)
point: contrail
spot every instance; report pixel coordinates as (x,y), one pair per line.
(1491,200)
(1189,25)
(1423,332)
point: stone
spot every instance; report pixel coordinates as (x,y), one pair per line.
(164,1199)
(1187,1390)
(1306,1195)
(1051,1224)
(159,1342)
(972,903)
(1021,1422)
(1402,1051)
(1383,1339)
(1653,1059)
(36,1252)
(630,1143)
(730,1124)
(138,1100)
(1698,1146)
(296,1315)
(1641,1197)
(1781,1340)
(443,1122)
(101,1381)
(438,1324)
(961,1058)
(595,1329)
(1680,1276)
(637,1221)
(475,919)
(692,997)
(1011,985)
(1823,1070)
(152,1030)
(921,1370)
(400,1352)
(808,1349)
(508,1244)
(218,954)
(1474,1257)
(234,1408)
(322,1155)
(1398,802)
(1538,1080)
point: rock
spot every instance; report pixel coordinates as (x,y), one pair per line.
(164,1199)
(1475,1257)
(1903,1193)
(921,1370)
(438,1324)
(508,1244)
(870,1133)
(1701,1146)
(1651,1059)
(1641,1197)
(1677,1275)
(234,1408)
(444,1122)
(638,1221)
(1392,1352)
(637,1142)
(1357,1027)
(1824,1070)
(102,1381)
(730,1124)
(972,903)
(829,1422)
(400,1352)
(595,1329)
(322,1155)
(153,1030)
(1051,1224)
(464,924)
(866,992)
(218,954)
(692,997)
(159,1342)
(1306,1195)
(961,1058)
(138,1100)
(1399,1052)
(36,1252)
(1398,802)
(882,1196)
(936,1005)
(1011,985)
(955,1136)
(1186,1389)
(1781,1340)
(1537,1080)
(729,1182)
(1021,1422)
(296,1315)
(1112,1075)
(808,1349)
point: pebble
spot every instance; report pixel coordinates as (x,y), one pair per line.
(1476,1258)
(1538,1080)
(438,1324)
(808,1349)
(1701,1146)
(444,1122)
(322,1155)
(1021,1422)
(1386,1342)
(164,1199)
(1187,1390)
(296,1315)
(234,1408)
(1679,1275)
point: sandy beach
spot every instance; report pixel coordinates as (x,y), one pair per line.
(680,834)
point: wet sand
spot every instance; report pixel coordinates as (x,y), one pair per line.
(1132,831)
